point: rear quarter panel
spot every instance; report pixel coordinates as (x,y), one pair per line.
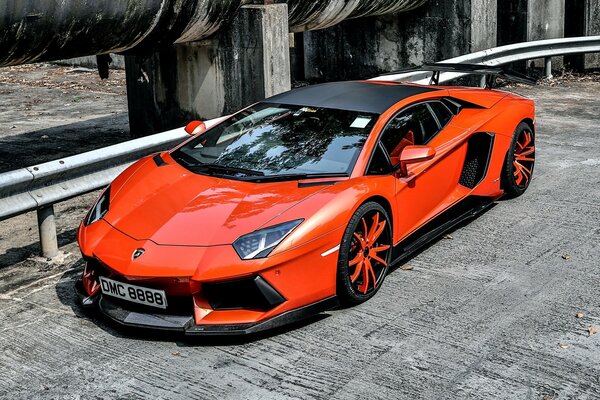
(501,119)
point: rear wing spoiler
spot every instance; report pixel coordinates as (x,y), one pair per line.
(489,72)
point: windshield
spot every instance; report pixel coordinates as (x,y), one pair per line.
(275,140)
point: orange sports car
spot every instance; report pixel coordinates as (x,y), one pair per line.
(298,203)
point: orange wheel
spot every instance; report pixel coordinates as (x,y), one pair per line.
(365,254)
(520,160)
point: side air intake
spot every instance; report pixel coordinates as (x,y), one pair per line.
(479,151)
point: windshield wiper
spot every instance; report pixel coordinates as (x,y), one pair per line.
(293,177)
(225,170)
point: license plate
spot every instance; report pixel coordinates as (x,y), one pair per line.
(136,294)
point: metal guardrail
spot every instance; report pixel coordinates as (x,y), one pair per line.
(41,186)
(545,49)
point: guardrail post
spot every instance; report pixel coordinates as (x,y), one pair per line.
(47,229)
(548,67)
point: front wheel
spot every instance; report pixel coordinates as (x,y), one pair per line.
(518,167)
(364,255)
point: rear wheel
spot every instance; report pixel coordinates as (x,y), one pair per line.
(520,160)
(364,255)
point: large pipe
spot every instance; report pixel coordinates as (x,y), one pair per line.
(41,30)
(311,15)
(46,30)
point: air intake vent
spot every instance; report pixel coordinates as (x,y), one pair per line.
(478,157)
(249,293)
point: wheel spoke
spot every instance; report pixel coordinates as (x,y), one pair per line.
(518,173)
(523,158)
(379,260)
(378,232)
(526,151)
(517,168)
(521,147)
(359,257)
(380,248)
(373,229)
(365,273)
(357,271)
(527,138)
(526,174)
(372,273)
(365,230)
(524,170)
(366,277)
(361,241)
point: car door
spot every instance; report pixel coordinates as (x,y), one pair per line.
(426,188)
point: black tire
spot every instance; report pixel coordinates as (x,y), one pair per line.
(520,160)
(352,286)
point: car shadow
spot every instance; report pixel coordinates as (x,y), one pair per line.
(39,146)
(14,255)
(403,260)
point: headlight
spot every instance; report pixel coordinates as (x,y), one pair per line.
(260,243)
(99,209)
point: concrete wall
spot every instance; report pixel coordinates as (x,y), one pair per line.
(545,19)
(484,24)
(240,65)
(366,47)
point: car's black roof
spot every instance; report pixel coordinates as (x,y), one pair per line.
(362,96)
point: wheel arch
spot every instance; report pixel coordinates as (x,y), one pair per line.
(529,122)
(383,202)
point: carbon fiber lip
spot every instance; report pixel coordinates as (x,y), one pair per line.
(186,325)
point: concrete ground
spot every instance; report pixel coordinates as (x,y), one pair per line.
(490,312)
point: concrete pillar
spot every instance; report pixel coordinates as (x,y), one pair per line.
(574,27)
(527,20)
(582,18)
(512,22)
(545,19)
(365,47)
(592,28)
(238,66)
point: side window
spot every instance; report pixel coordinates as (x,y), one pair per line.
(380,164)
(443,114)
(429,125)
(414,126)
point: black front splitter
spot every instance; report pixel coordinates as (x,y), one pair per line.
(186,324)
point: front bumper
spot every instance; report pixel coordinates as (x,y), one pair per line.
(185,324)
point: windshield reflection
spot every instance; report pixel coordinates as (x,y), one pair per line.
(273,139)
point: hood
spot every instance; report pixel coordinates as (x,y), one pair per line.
(170,205)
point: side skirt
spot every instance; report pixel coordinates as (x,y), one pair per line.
(465,209)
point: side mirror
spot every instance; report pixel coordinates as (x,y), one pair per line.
(413,155)
(195,127)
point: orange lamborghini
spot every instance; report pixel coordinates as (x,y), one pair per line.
(298,203)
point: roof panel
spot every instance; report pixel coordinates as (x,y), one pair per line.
(368,97)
